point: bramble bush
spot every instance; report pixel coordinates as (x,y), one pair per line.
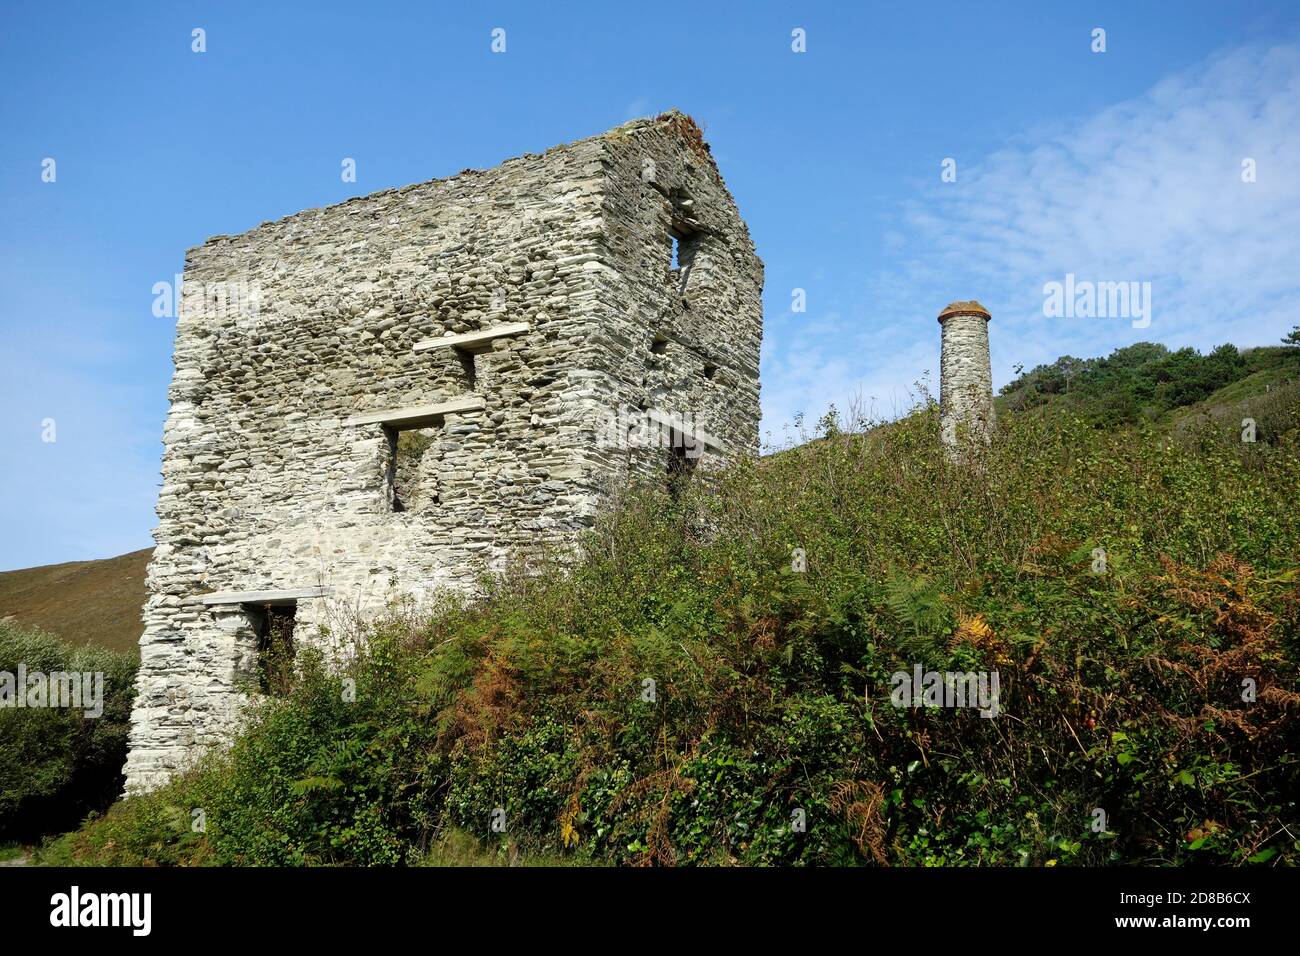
(679,693)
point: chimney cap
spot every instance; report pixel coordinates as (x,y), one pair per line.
(968,307)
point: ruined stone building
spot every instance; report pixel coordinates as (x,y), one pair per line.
(389,395)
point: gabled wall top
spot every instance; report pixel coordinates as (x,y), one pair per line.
(673,120)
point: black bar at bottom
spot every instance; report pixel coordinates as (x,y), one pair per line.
(334,905)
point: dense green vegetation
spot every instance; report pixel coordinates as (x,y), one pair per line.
(1152,688)
(1144,381)
(57,765)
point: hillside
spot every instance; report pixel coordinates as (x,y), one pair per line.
(1146,382)
(84,602)
(715,679)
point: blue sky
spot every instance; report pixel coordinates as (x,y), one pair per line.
(1116,166)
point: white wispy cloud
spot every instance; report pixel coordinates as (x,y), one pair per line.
(1147,190)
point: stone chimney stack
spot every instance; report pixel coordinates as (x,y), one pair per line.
(965,374)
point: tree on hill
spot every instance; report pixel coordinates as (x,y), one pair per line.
(1140,379)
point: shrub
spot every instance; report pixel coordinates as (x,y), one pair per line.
(57,765)
(681,693)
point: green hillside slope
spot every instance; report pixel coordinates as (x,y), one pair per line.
(84,602)
(715,679)
(1147,382)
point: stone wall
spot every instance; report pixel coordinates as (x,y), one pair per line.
(291,329)
(690,345)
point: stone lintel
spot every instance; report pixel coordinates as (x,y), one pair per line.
(696,435)
(479,341)
(289,596)
(417,416)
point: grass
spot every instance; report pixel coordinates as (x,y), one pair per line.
(11,851)
(1254,384)
(457,848)
(95,603)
